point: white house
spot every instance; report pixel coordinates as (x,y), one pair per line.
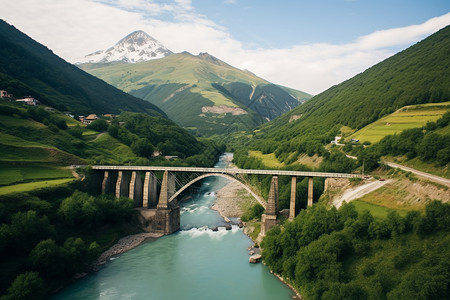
(29,101)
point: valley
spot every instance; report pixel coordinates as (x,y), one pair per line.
(382,234)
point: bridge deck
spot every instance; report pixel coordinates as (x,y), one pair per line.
(228,171)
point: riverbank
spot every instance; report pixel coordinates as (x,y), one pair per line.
(232,200)
(297,296)
(125,244)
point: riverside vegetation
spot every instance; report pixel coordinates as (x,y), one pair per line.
(342,254)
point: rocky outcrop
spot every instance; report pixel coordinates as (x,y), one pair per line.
(223,109)
(125,244)
(255,258)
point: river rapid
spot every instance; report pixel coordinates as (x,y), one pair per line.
(193,263)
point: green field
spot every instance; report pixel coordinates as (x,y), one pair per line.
(25,187)
(11,174)
(377,211)
(7,139)
(12,121)
(407,117)
(268,160)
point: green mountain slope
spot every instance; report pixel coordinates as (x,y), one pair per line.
(35,142)
(29,68)
(411,116)
(416,75)
(202,93)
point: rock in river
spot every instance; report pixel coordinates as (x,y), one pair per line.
(256,258)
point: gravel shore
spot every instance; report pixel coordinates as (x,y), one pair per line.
(125,244)
(229,200)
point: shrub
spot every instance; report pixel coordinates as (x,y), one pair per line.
(26,286)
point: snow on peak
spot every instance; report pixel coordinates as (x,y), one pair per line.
(136,47)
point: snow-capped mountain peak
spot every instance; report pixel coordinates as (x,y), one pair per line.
(136,47)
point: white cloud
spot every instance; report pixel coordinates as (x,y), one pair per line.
(403,35)
(78,27)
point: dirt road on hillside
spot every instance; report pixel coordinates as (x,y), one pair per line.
(358,192)
(431,177)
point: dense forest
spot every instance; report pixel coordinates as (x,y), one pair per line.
(340,254)
(50,235)
(146,134)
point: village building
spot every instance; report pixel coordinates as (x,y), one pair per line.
(5,95)
(29,101)
(69,114)
(336,140)
(89,119)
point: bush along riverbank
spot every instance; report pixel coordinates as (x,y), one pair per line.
(341,254)
(48,237)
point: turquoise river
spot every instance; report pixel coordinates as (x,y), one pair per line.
(194,263)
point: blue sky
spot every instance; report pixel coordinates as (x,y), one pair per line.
(309,45)
(286,23)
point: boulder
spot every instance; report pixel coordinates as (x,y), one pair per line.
(256,258)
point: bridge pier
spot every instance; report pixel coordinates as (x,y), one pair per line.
(269,218)
(122,184)
(310,191)
(108,183)
(293,196)
(167,190)
(136,188)
(167,217)
(150,197)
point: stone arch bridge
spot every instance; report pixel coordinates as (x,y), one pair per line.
(141,184)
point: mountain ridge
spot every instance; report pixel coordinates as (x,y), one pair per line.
(138,46)
(186,85)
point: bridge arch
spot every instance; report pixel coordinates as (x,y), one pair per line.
(230,177)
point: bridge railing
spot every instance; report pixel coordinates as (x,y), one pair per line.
(228,171)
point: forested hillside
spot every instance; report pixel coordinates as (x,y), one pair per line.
(29,68)
(342,254)
(416,75)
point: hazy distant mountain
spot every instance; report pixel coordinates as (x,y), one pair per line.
(135,47)
(202,93)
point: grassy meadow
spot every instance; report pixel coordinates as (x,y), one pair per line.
(14,174)
(26,187)
(412,116)
(268,160)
